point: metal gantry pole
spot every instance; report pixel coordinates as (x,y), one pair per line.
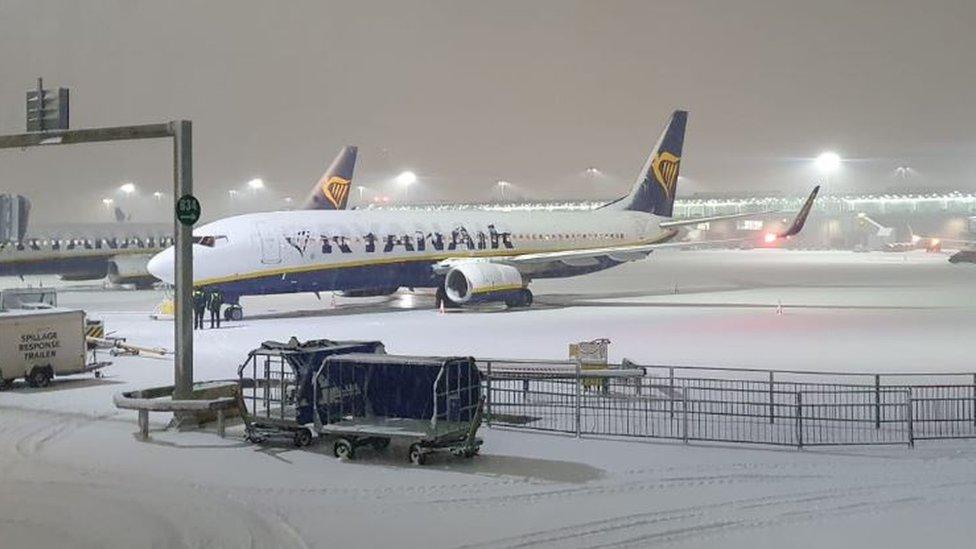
(183,185)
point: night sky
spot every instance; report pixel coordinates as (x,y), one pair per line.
(468,93)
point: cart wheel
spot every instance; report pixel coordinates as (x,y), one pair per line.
(343,449)
(39,378)
(417,455)
(380,444)
(303,437)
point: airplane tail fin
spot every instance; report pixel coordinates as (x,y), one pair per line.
(801,216)
(332,190)
(657,183)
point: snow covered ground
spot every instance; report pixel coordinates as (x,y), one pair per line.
(72,474)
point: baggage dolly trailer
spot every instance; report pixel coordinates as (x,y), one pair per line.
(275,381)
(428,404)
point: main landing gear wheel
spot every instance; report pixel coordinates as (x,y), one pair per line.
(234,312)
(441,299)
(343,449)
(523,299)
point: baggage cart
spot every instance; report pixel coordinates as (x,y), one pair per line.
(428,404)
(276,381)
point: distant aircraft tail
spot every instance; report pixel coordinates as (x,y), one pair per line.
(801,216)
(332,190)
(657,183)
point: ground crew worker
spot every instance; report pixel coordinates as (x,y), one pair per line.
(216,301)
(199,306)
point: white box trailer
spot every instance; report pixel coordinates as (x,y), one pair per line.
(37,345)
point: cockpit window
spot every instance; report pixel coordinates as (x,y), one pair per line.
(208,241)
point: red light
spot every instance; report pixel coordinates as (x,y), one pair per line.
(769,238)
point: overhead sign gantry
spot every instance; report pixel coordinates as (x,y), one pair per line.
(47,123)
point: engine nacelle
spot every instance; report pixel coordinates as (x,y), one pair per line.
(480,282)
(130,269)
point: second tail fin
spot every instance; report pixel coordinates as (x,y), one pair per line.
(332,190)
(657,183)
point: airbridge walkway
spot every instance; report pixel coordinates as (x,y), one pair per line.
(741,405)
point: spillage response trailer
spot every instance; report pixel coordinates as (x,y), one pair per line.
(39,344)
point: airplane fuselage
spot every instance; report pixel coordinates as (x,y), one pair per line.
(309,251)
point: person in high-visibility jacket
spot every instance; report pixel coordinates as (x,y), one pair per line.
(199,306)
(216,301)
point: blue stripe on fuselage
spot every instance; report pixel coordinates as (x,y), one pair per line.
(409,274)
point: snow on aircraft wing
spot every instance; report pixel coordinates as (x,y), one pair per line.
(628,252)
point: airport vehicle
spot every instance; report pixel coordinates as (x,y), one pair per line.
(28,298)
(122,251)
(39,344)
(428,404)
(469,257)
(963,256)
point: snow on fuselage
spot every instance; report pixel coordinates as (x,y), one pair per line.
(301,251)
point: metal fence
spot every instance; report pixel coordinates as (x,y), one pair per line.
(776,407)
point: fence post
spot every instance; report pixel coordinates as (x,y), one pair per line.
(799,420)
(911,420)
(579,395)
(877,401)
(488,396)
(671,390)
(772,406)
(684,416)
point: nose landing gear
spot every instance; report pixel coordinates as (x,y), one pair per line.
(234,312)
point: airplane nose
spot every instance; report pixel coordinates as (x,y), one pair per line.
(161,266)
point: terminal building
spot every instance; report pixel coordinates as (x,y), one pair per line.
(839,221)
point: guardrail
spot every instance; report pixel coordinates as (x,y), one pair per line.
(745,405)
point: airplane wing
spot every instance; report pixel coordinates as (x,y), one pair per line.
(630,252)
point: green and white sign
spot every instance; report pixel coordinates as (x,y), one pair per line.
(188,209)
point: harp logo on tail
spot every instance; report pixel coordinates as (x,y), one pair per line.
(335,190)
(665,168)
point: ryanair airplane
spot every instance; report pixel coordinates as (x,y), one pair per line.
(467,256)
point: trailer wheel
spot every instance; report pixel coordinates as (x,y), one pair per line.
(417,455)
(343,449)
(303,437)
(39,377)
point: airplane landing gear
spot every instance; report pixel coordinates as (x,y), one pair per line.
(523,299)
(234,312)
(441,299)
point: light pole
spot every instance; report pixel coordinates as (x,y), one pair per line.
(406,179)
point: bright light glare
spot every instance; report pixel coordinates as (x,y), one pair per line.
(828,162)
(503,183)
(232,192)
(406,178)
(128,188)
(108,201)
(256,183)
(157,195)
(769,238)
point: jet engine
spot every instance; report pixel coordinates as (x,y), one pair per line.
(481,282)
(130,269)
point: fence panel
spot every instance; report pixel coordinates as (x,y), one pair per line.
(745,406)
(944,411)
